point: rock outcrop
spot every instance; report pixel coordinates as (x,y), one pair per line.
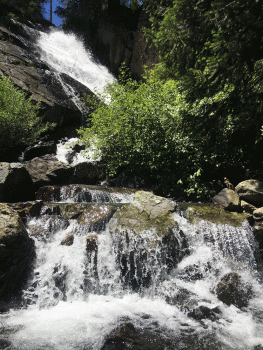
(19,59)
(47,170)
(15,183)
(16,252)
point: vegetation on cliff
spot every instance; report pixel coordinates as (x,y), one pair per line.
(32,9)
(19,123)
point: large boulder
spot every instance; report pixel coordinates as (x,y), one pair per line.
(146,237)
(16,252)
(15,183)
(88,173)
(251,191)
(228,200)
(232,290)
(47,170)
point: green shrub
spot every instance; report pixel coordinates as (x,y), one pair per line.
(19,123)
(141,130)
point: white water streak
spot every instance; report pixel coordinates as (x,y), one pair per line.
(67,54)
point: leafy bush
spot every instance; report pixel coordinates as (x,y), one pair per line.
(141,130)
(19,123)
(150,129)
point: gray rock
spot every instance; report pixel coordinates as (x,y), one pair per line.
(258,214)
(88,173)
(47,170)
(228,200)
(232,290)
(246,207)
(16,252)
(251,191)
(15,183)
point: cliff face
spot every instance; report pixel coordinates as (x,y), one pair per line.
(20,60)
(115,45)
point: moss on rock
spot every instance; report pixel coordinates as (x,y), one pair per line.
(196,212)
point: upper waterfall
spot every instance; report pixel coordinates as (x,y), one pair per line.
(67,54)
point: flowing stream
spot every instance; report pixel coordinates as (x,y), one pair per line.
(77,294)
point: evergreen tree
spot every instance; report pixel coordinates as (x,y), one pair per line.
(32,9)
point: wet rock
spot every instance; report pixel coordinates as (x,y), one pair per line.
(258,214)
(51,209)
(246,207)
(41,149)
(68,240)
(15,183)
(251,191)
(76,193)
(17,252)
(258,233)
(47,170)
(88,173)
(38,232)
(228,200)
(91,243)
(71,211)
(48,194)
(203,312)
(145,235)
(232,290)
(96,216)
(121,338)
(27,210)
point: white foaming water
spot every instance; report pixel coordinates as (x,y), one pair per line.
(67,54)
(78,296)
(66,154)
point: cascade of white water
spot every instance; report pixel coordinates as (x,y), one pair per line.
(79,294)
(67,54)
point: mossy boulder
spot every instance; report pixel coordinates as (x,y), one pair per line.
(146,236)
(196,212)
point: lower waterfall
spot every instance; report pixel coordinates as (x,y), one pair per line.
(77,296)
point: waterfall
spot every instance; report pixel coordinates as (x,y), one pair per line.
(89,280)
(78,293)
(67,54)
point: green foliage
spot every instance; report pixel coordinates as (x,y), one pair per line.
(19,123)
(142,130)
(29,8)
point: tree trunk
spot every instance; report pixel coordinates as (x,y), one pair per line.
(50,18)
